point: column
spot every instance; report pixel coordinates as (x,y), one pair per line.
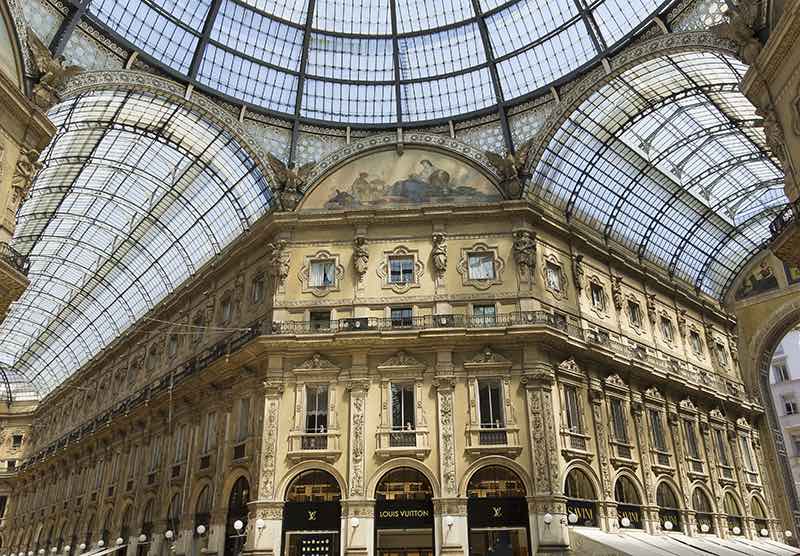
(358,513)
(649,507)
(674,421)
(720,518)
(548,497)
(606,506)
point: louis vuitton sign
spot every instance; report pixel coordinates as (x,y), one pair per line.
(497,512)
(405,514)
(312,516)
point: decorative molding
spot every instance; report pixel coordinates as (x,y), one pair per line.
(497,263)
(305,273)
(401,360)
(384,274)
(317,363)
(488,357)
(357,441)
(615,380)
(550,258)
(447,448)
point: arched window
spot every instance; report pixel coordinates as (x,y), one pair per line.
(702,505)
(49,541)
(314,486)
(146,529)
(174,513)
(202,511)
(404,483)
(581,499)
(495,481)
(760,516)
(734,514)
(125,525)
(669,513)
(629,507)
(235,537)
(89,529)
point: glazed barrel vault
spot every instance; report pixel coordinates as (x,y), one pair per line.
(409,362)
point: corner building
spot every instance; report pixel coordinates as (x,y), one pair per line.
(404,377)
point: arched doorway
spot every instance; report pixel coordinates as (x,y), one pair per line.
(125,525)
(759,517)
(404,514)
(669,513)
(312,515)
(235,537)
(629,506)
(202,520)
(87,539)
(734,515)
(497,513)
(146,530)
(174,515)
(704,513)
(581,499)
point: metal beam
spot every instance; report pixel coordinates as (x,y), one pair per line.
(396,61)
(301,81)
(75,13)
(205,36)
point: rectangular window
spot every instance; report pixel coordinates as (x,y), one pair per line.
(722,448)
(695,342)
(155,453)
(789,405)
(480,266)
(490,400)
(403,407)
(132,457)
(484,315)
(11,464)
(16,441)
(598,296)
(618,420)
(657,431)
(401,270)
(226,310)
(635,313)
(322,274)
(317,408)
(179,442)
(747,453)
(320,320)
(781,372)
(572,407)
(210,433)
(172,345)
(796,444)
(722,354)
(244,420)
(99,470)
(401,316)
(552,273)
(691,439)
(257,295)
(667,331)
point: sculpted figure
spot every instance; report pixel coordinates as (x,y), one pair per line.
(290,183)
(511,169)
(740,27)
(53,72)
(27,167)
(578,272)
(439,253)
(525,250)
(279,260)
(360,255)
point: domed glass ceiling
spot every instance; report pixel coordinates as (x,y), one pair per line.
(374,61)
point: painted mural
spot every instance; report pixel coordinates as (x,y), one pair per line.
(761,279)
(387,179)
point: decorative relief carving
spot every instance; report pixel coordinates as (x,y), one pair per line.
(687,403)
(357,404)
(578,273)
(26,169)
(447,460)
(279,260)
(317,362)
(511,169)
(616,291)
(570,366)
(602,442)
(741,24)
(652,313)
(401,359)
(52,71)
(360,256)
(487,355)
(682,320)
(481,283)
(615,380)
(539,452)
(439,254)
(270,441)
(289,183)
(525,252)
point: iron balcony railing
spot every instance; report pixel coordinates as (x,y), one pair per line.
(13,257)
(788,214)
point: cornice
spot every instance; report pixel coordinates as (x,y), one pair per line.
(773,56)
(18,107)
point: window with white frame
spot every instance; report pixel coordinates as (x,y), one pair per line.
(635,313)
(243,425)
(484,314)
(316,408)
(667,331)
(210,432)
(480,266)
(322,274)
(552,273)
(490,404)
(403,417)
(257,288)
(781,371)
(598,296)
(789,404)
(401,270)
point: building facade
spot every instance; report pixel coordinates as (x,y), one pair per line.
(429,379)
(785,385)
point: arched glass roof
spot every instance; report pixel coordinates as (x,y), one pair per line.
(135,194)
(374,61)
(670,160)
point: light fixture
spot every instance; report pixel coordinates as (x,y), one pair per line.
(82,547)
(764,532)
(238,525)
(625,522)
(201,529)
(573,518)
(53,550)
(548,518)
(260,524)
(30,553)
(787,534)
(449,521)
(354,521)
(142,538)
(737,530)
(101,543)
(668,525)
(67,548)
(169,534)
(704,527)
(41,551)
(119,541)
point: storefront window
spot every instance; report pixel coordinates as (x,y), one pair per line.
(759,514)
(404,514)
(237,515)
(735,521)
(704,516)
(669,514)
(312,515)
(629,508)
(497,513)
(581,499)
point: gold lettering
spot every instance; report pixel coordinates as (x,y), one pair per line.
(312,515)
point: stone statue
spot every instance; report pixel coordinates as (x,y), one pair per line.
(360,255)
(616,292)
(289,183)
(27,167)
(511,169)
(279,260)
(740,27)
(525,251)
(773,133)
(53,72)
(682,322)
(651,309)
(439,253)
(578,272)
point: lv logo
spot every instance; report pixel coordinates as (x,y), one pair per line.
(498,511)
(312,515)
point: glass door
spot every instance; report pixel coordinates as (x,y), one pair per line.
(498,542)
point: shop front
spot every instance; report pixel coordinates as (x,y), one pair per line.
(581,500)
(497,513)
(312,515)
(669,513)
(629,507)
(404,514)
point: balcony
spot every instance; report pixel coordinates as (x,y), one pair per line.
(575,445)
(661,461)
(785,233)
(14,258)
(493,440)
(412,443)
(13,276)
(622,454)
(314,445)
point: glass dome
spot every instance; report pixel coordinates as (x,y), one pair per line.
(374,62)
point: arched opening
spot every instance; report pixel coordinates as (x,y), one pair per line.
(202,518)
(312,514)
(146,530)
(404,514)
(734,515)
(669,513)
(87,538)
(497,512)
(106,530)
(581,499)
(174,514)
(49,542)
(760,517)
(704,513)
(125,525)
(236,521)
(629,506)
